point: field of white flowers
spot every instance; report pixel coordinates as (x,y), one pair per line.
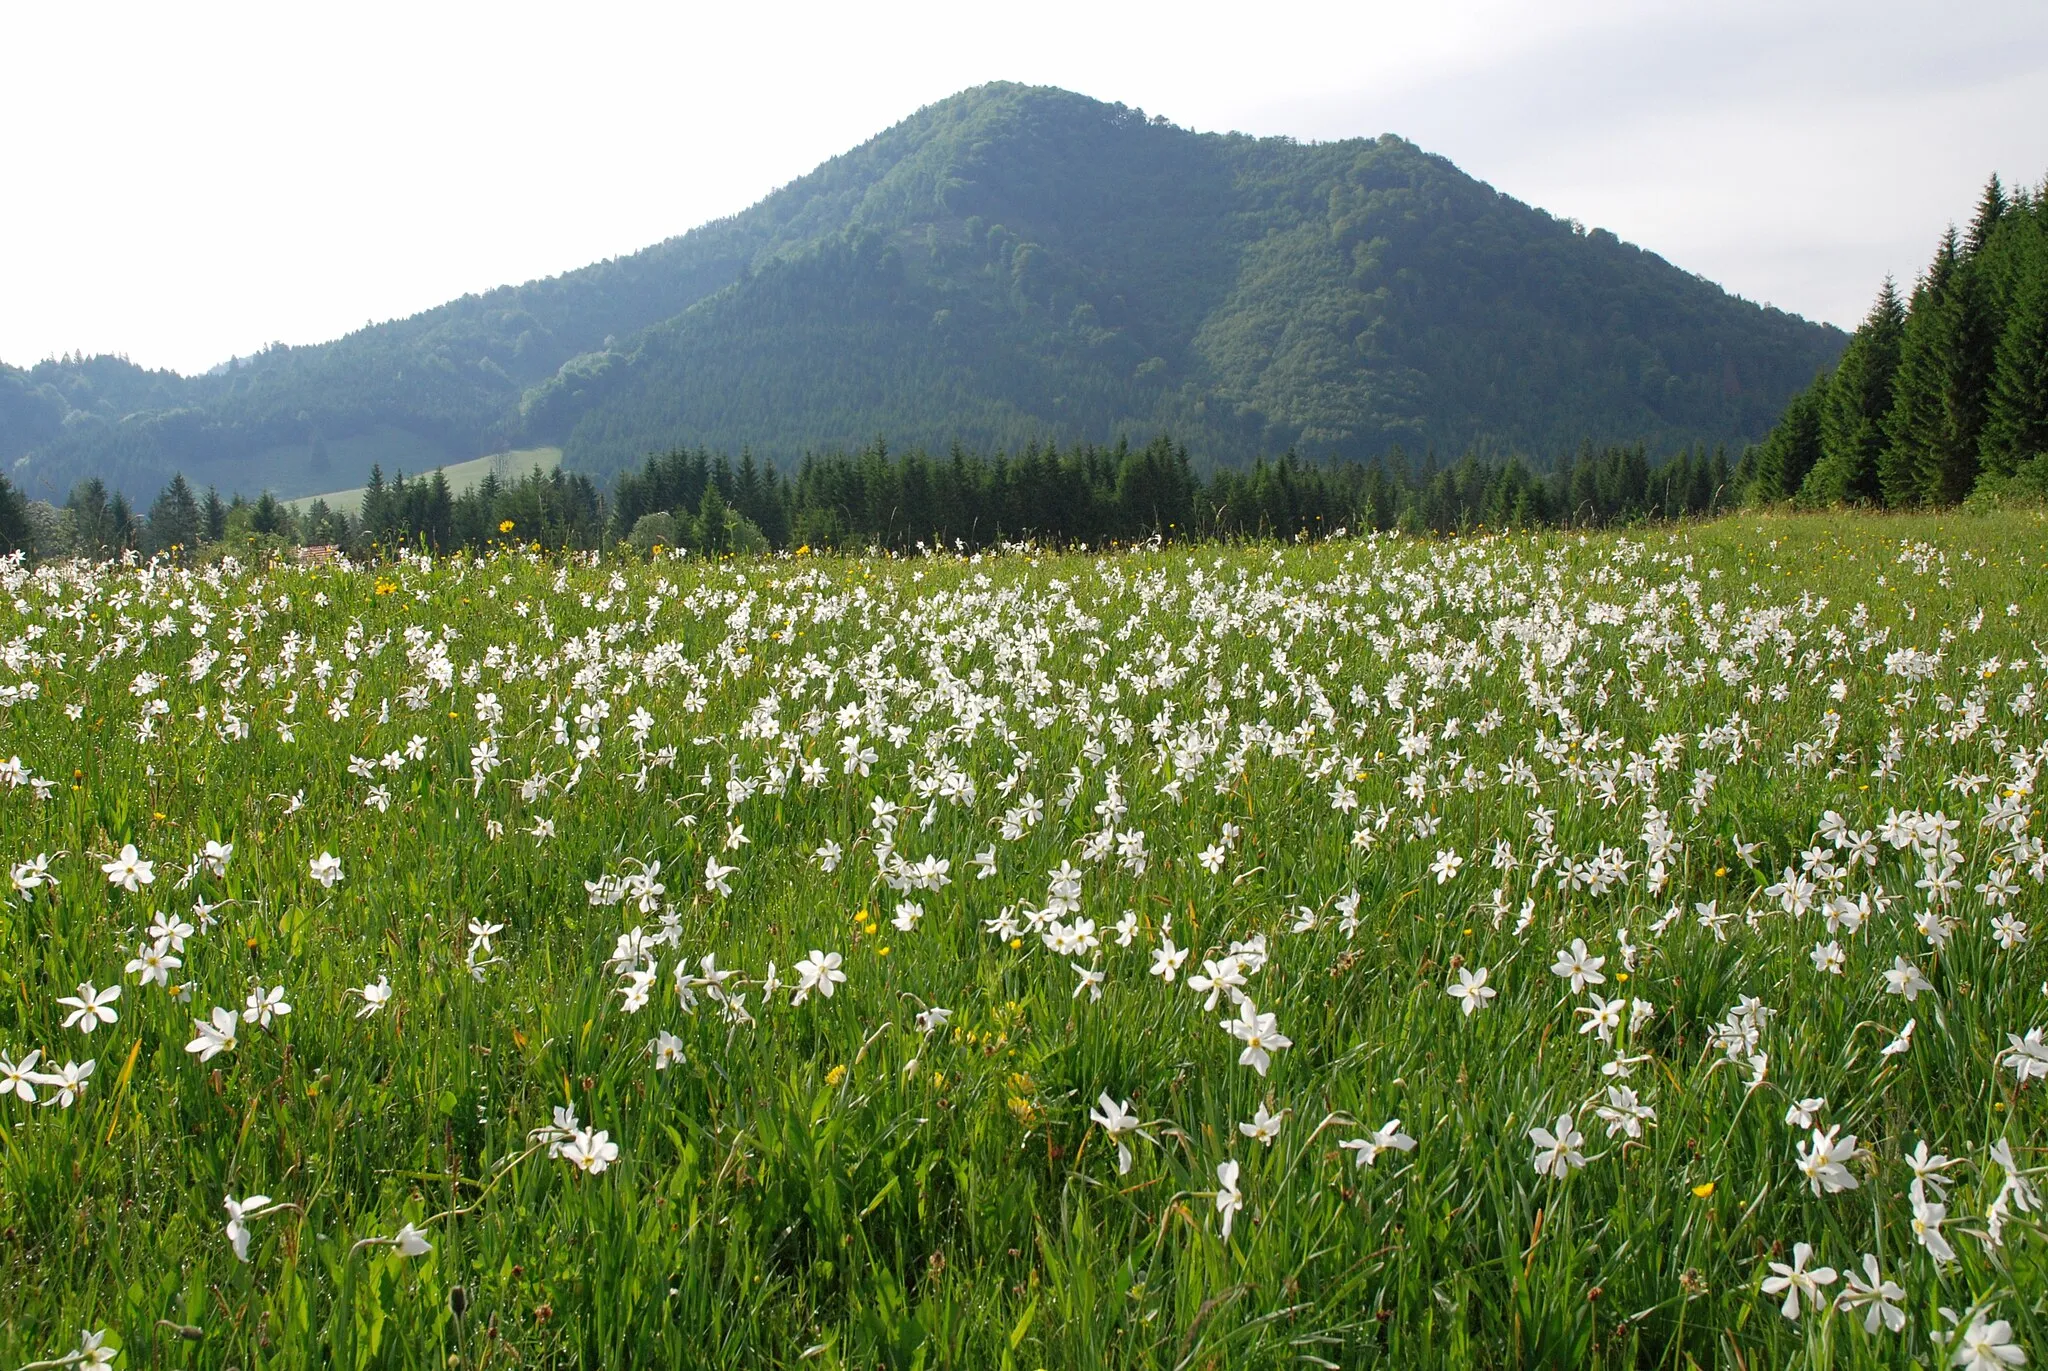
(1616,950)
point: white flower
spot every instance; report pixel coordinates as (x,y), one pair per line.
(375,997)
(215,858)
(1167,959)
(1264,1126)
(262,1005)
(410,1242)
(1472,992)
(68,1081)
(1445,867)
(20,1078)
(1900,1045)
(590,1152)
(1229,1199)
(325,868)
(1904,978)
(1987,1347)
(216,1037)
(1259,1033)
(1880,1295)
(2027,1056)
(933,1019)
(1557,1148)
(667,1049)
(239,1214)
(1387,1137)
(1796,1280)
(1820,1161)
(1577,967)
(154,963)
(1624,1113)
(1802,1113)
(129,871)
(820,972)
(1116,1119)
(90,1008)
(1927,1221)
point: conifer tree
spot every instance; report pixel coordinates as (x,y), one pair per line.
(1914,424)
(1790,450)
(1991,207)
(215,515)
(1854,409)
(2016,424)
(174,519)
(15,533)
(1967,339)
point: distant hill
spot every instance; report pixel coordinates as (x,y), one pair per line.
(1008,264)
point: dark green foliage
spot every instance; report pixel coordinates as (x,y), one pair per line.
(1932,401)
(215,516)
(1091,495)
(175,520)
(2016,428)
(1009,265)
(15,532)
(1854,410)
(100,527)
(1778,466)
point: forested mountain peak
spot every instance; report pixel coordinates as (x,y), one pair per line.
(1009,264)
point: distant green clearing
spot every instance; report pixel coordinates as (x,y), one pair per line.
(461,476)
(289,468)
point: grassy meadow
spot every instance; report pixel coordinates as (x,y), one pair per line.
(1558,949)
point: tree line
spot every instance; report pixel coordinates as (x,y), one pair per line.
(1084,494)
(1938,395)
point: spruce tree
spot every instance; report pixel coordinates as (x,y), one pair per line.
(216,516)
(174,519)
(1790,450)
(1968,352)
(1914,425)
(2016,424)
(1991,207)
(1854,409)
(92,528)
(15,533)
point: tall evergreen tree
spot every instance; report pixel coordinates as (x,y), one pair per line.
(1967,341)
(15,532)
(1991,207)
(92,524)
(2016,425)
(120,524)
(1914,425)
(215,515)
(1854,409)
(174,518)
(1790,450)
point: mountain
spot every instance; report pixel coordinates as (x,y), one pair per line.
(1008,264)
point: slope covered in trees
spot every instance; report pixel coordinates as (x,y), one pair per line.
(1010,265)
(1938,395)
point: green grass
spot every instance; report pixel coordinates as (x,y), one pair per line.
(826,1185)
(462,476)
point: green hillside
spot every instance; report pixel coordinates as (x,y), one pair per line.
(1008,264)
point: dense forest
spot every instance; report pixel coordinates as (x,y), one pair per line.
(1008,266)
(1939,395)
(873,498)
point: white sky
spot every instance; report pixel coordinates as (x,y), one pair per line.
(187,182)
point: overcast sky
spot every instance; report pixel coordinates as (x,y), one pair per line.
(188,182)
